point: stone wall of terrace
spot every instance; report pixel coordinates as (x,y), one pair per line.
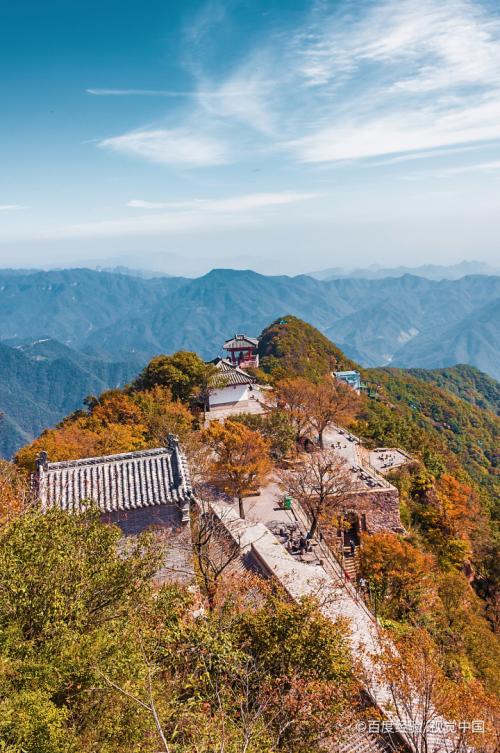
(378,509)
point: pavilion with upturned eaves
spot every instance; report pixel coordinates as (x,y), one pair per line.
(242,351)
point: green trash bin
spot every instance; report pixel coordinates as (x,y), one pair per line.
(287,503)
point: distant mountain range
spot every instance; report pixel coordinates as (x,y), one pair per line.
(65,334)
(403,321)
(430,271)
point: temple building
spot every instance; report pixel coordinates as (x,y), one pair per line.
(230,385)
(242,351)
(351,378)
(134,490)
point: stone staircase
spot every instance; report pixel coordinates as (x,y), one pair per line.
(347,560)
(350,563)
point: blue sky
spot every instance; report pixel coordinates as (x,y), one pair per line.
(284,136)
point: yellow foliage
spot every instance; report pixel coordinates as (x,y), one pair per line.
(241,458)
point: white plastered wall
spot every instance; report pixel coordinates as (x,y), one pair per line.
(231,394)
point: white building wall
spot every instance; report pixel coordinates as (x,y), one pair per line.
(230,394)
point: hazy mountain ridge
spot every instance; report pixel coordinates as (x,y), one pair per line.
(475,339)
(373,321)
(429,271)
(406,321)
(69,304)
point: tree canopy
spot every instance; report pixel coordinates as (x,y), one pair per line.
(184,373)
(92,657)
(241,463)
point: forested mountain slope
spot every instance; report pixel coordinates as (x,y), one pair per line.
(466,382)
(437,425)
(42,381)
(68,305)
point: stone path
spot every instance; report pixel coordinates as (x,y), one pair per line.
(324,580)
(341,599)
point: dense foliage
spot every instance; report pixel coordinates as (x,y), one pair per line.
(290,346)
(275,426)
(184,373)
(466,382)
(116,421)
(420,416)
(92,657)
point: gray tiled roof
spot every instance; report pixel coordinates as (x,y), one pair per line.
(239,341)
(229,375)
(116,482)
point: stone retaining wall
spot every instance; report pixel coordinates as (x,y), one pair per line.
(378,510)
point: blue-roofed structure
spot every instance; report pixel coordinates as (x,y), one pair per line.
(351,378)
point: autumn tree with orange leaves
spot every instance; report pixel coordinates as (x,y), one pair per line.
(401,577)
(315,405)
(114,422)
(15,493)
(291,397)
(241,460)
(451,517)
(328,402)
(431,708)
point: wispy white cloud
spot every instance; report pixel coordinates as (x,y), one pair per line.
(173,93)
(480,167)
(211,13)
(182,216)
(253,78)
(244,203)
(349,82)
(491,167)
(405,76)
(427,154)
(177,147)
(11,207)
(392,133)
(429,45)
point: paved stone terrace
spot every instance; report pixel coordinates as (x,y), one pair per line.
(385,459)
(348,446)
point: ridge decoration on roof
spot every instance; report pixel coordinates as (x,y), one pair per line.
(241,341)
(116,482)
(228,374)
